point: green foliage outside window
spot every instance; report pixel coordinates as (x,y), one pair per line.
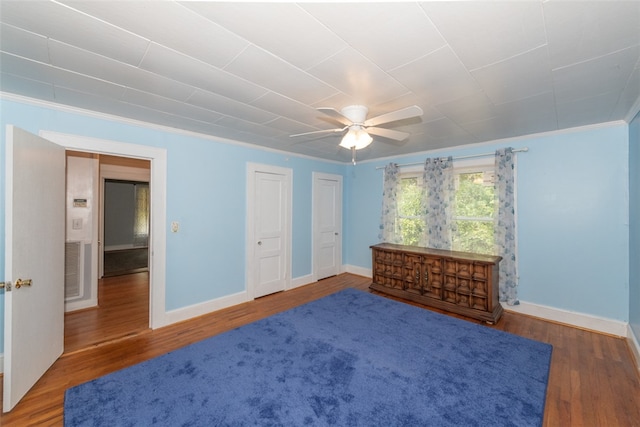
(474,213)
(473,218)
(410,218)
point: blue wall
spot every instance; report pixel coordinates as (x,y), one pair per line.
(572,218)
(206,194)
(573,210)
(634,226)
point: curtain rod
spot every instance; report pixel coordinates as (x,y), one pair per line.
(470,156)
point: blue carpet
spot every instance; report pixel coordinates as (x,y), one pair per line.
(349,359)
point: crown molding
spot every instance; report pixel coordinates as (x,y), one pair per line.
(633,112)
(504,141)
(153,126)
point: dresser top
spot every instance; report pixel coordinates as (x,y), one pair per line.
(493,259)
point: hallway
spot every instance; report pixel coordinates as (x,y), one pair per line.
(123,312)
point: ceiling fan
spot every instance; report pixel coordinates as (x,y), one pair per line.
(358,128)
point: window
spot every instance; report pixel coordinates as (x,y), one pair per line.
(410,217)
(473,213)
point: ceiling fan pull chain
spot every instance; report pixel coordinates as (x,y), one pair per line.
(353,155)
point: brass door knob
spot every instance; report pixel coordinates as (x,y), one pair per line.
(20,283)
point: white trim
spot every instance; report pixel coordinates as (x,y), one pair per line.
(202,308)
(158,157)
(252,169)
(153,126)
(571,318)
(79,305)
(207,307)
(578,320)
(1,363)
(517,140)
(360,271)
(634,345)
(635,109)
(109,117)
(301,281)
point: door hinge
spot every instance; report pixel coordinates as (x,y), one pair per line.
(6,286)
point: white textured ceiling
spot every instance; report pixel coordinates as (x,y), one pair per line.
(256,72)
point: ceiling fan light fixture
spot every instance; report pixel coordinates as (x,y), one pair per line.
(356,138)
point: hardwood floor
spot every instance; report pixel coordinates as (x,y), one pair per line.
(593,380)
(123,312)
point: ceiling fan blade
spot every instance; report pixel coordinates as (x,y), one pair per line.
(337,115)
(388,133)
(404,113)
(317,132)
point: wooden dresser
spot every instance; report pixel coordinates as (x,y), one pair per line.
(459,282)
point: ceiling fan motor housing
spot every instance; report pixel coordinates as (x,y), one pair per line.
(355,113)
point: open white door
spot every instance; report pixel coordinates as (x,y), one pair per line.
(327,225)
(34,249)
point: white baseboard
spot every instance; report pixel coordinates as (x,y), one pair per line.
(580,320)
(634,345)
(360,271)
(301,281)
(186,313)
(79,305)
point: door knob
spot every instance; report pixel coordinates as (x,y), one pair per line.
(20,283)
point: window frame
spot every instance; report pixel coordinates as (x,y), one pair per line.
(473,166)
(462,166)
(408,173)
(476,165)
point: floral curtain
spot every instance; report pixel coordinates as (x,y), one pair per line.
(389,226)
(438,202)
(505,226)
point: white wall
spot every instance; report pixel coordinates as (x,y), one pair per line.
(82,212)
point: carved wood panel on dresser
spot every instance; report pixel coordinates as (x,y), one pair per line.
(459,282)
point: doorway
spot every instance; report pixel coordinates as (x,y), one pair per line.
(125,210)
(35,230)
(158,317)
(122,293)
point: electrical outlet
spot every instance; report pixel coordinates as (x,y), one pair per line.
(175,226)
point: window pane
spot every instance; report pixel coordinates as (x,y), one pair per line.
(409,197)
(475,195)
(409,214)
(411,230)
(474,236)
